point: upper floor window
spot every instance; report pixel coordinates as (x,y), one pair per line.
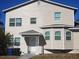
(18,21)
(15,22)
(57,35)
(47,35)
(57,16)
(12,22)
(33,20)
(68,35)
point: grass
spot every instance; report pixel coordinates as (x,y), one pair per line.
(8,57)
(57,56)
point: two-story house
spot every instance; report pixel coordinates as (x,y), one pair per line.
(42,26)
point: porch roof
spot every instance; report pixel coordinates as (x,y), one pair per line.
(74,29)
(56,26)
(30,32)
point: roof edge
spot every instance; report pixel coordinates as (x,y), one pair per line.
(28,2)
(16,6)
(61,4)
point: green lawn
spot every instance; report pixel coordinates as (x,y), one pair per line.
(57,56)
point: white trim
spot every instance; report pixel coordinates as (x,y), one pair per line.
(31,34)
(16,6)
(62,4)
(74,28)
(38,0)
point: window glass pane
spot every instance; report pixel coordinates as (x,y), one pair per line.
(11,41)
(68,35)
(18,21)
(57,18)
(17,41)
(33,20)
(57,35)
(47,35)
(12,22)
(57,15)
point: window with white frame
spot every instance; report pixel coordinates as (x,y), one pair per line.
(33,21)
(47,35)
(15,41)
(58,35)
(57,16)
(68,35)
(11,41)
(18,21)
(15,22)
(12,22)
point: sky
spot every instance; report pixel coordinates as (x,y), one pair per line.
(4,4)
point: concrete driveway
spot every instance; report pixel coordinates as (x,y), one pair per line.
(26,56)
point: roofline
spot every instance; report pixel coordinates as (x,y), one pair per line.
(29,2)
(74,29)
(60,4)
(17,6)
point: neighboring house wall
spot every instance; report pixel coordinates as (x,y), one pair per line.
(76,42)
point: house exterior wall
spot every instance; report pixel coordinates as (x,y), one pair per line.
(41,12)
(68,44)
(44,13)
(58,44)
(52,43)
(75,42)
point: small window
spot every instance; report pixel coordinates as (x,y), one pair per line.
(12,22)
(57,16)
(68,35)
(11,41)
(47,35)
(57,35)
(17,41)
(18,21)
(33,20)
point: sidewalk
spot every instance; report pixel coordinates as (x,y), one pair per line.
(26,56)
